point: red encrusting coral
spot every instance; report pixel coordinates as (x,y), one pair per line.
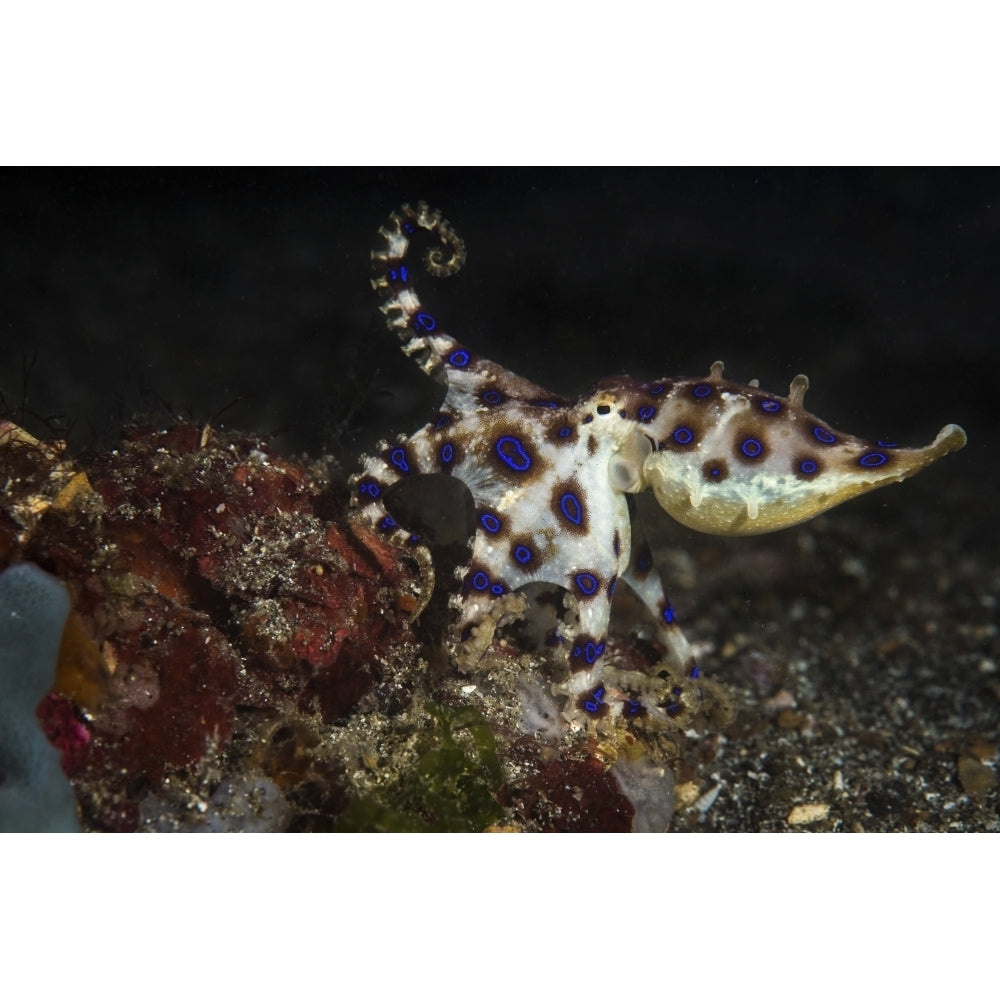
(209,598)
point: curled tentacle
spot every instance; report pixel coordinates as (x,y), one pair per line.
(418,329)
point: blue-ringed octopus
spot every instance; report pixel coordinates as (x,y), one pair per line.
(550,479)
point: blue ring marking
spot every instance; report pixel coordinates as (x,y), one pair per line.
(646,413)
(695,671)
(480,581)
(683,435)
(398,459)
(458,358)
(715,472)
(668,615)
(823,435)
(444,420)
(752,448)
(588,418)
(887,444)
(596,697)
(655,390)
(672,710)
(564,432)
(612,585)
(490,523)
(413,539)
(547,403)
(701,390)
(623,413)
(447,454)
(497,589)
(398,274)
(587,583)
(523,554)
(593,703)
(369,489)
(409,228)
(770,405)
(576,653)
(425,322)
(492,397)
(520,461)
(873,459)
(571,508)
(590,653)
(677,691)
(632,707)
(387,523)
(808,466)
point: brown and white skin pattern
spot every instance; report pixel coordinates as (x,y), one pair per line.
(549,478)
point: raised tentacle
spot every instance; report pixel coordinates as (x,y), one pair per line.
(419,331)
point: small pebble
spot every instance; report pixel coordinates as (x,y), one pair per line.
(809,813)
(976,779)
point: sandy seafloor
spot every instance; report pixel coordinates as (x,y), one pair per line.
(862,647)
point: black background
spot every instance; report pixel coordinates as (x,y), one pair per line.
(187,291)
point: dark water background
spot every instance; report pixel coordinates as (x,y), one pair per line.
(189,291)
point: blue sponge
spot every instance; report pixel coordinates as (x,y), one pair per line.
(35,795)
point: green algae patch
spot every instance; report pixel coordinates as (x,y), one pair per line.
(451,789)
